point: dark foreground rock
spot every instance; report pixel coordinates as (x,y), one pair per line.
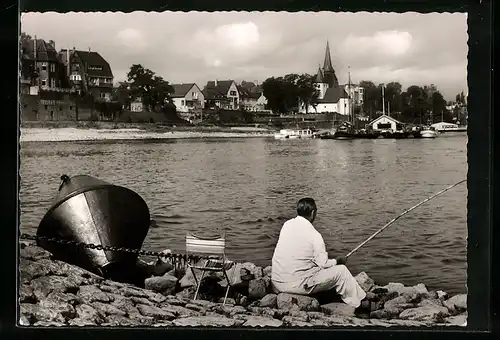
(54,293)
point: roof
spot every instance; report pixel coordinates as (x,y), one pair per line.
(44,51)
(319,76)
(180,90)
(327,66)
(333,94)
(211,91)
(385,116)
(94,58)
(247,94)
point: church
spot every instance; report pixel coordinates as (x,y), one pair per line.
(332,96)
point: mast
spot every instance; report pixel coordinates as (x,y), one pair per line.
(383,99)
(351,112)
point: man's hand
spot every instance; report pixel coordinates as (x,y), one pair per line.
(341,260)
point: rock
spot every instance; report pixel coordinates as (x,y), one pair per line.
(23,321)
(89,313)
(299,315)
(406,323)
(442,295)
(338,309)
(260,321)
(162,284)
(108,309)
(205,321)
(229,301)
(26,294)
(403,299)
(163,324)
(132,291)
(44,285)
(49,324)
(379,323)
(293,322)
(269,300)
(155,297)
(457,320)
(267,271)
(292,301)
(421,289)
(160,267)
(379,290)
(176,301)
(70,298)
(257,288)
(456,304)
(60,307)
(33,253)
(180,311)
(430,302)
(116,320)
(92,293)
(140,301)
(34,313)
(81,322)
(155,312)
(427,313)
(364,281)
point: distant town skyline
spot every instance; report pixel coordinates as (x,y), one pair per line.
(411,48)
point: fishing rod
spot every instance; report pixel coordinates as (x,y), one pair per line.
(402,214)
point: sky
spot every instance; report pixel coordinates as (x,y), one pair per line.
(184,47)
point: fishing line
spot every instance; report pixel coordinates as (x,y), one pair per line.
(402,214)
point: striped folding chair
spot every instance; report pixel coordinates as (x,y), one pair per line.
(214,249)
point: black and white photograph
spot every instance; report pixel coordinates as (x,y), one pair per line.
(243,169)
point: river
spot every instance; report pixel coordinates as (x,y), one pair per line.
(248,187)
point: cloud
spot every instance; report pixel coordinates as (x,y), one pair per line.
(388,43)
(132,39)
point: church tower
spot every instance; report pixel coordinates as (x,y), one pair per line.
(329,76)
(320,83)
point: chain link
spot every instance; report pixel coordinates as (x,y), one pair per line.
(170,256)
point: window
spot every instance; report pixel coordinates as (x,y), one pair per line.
(102,95)
(52,67)
(44,66)
(232,93)
(52,82)
(45,107)
(44,82)
(70,107)
(95,67)
(182,102)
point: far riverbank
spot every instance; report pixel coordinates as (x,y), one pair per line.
(86,130)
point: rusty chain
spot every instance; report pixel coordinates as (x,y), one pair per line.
(176,258)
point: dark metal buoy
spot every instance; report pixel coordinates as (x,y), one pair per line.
(89,210)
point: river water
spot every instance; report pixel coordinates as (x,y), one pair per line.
(248,187)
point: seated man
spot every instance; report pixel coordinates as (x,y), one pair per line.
(300,262)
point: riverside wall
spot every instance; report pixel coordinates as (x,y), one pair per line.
(54,293)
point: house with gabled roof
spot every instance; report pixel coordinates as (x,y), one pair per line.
(41,66)
(222,94)
(188,99)
(252,100)
(89,72)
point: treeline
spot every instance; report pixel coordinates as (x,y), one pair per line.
(415,104)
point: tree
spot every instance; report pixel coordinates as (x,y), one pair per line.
(308,94)
(373,97)
(282,93)
(153,90)
(393,96)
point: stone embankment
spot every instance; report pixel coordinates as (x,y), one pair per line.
(54,293)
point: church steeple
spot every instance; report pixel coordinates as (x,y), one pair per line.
(327,66)
(319,76)
(329,76)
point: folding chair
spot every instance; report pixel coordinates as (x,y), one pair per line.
(214,249)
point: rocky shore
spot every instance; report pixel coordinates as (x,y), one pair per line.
(54,293)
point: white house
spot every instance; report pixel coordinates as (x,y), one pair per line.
(386,123)
(136,105)
(187,97)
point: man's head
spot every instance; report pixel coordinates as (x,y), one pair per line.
(306,207)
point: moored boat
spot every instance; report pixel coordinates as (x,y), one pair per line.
(295,134)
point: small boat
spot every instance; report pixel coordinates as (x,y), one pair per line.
(443,127)
(295,134)
(424,132)
(92,211)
